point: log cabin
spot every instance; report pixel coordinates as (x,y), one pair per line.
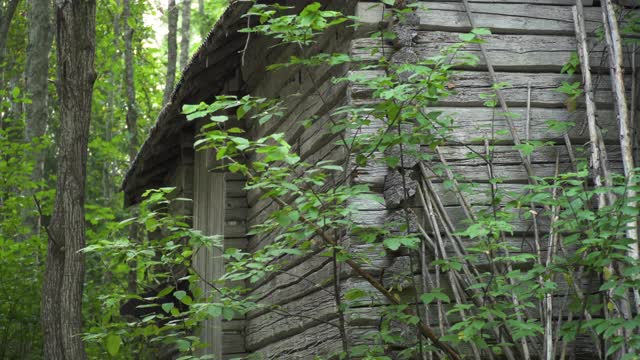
(531,41)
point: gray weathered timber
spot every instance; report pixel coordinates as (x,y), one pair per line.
(321,339)
(374,176)
(472,125)
(468,86)
(209,218)
(548,2)
(504,154)
(507,18)
(533,53)
(292,318)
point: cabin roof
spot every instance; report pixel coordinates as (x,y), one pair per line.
(217,58)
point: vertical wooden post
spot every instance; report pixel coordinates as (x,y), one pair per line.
(208,217)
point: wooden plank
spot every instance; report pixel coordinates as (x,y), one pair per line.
(506,154)
(549,2)
(235,189)
(468,86)
(374,175)
(293,283)
(520,224)
(473,125)
(264,52)
(209,218)
(508,18)
(532,53)
(302,105)
(233,342)
(291,319)
(235,229)
(317,341)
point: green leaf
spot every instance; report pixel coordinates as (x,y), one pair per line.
(436,294)
(354,294)
(196,115)
(112,343)
(389,2)
(525,148)
(167,307)
(481,31)
(165,291)
(227,313)
(392,244)
(187,300)
(467,37)
(219,118)
(180,294)
(214,310)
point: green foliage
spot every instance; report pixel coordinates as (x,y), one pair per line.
(296,28)
(21,248)
(163,261)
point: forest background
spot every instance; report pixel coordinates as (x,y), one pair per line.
(140,48)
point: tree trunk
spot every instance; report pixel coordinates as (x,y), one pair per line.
(64,274)
(172,51)
(203,23)
(6,16)
(132,117)
(185,33)
(37,71)
(112,103)
(5,23)
(132,112)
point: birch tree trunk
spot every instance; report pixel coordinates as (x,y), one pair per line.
(185,33)
(172,50)
(37,71)
(64,273)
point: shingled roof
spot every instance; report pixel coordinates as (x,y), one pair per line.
(202,79)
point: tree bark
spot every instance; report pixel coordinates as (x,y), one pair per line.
(64,274)
(132,118)
(172,51)
(132,112)
(203,26)
(112,103)
(37,71)
(5,23)
(7,13)
(185,33)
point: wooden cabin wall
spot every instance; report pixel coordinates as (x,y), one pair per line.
(302,289)
(530,43)
(219,207)
(531,50)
